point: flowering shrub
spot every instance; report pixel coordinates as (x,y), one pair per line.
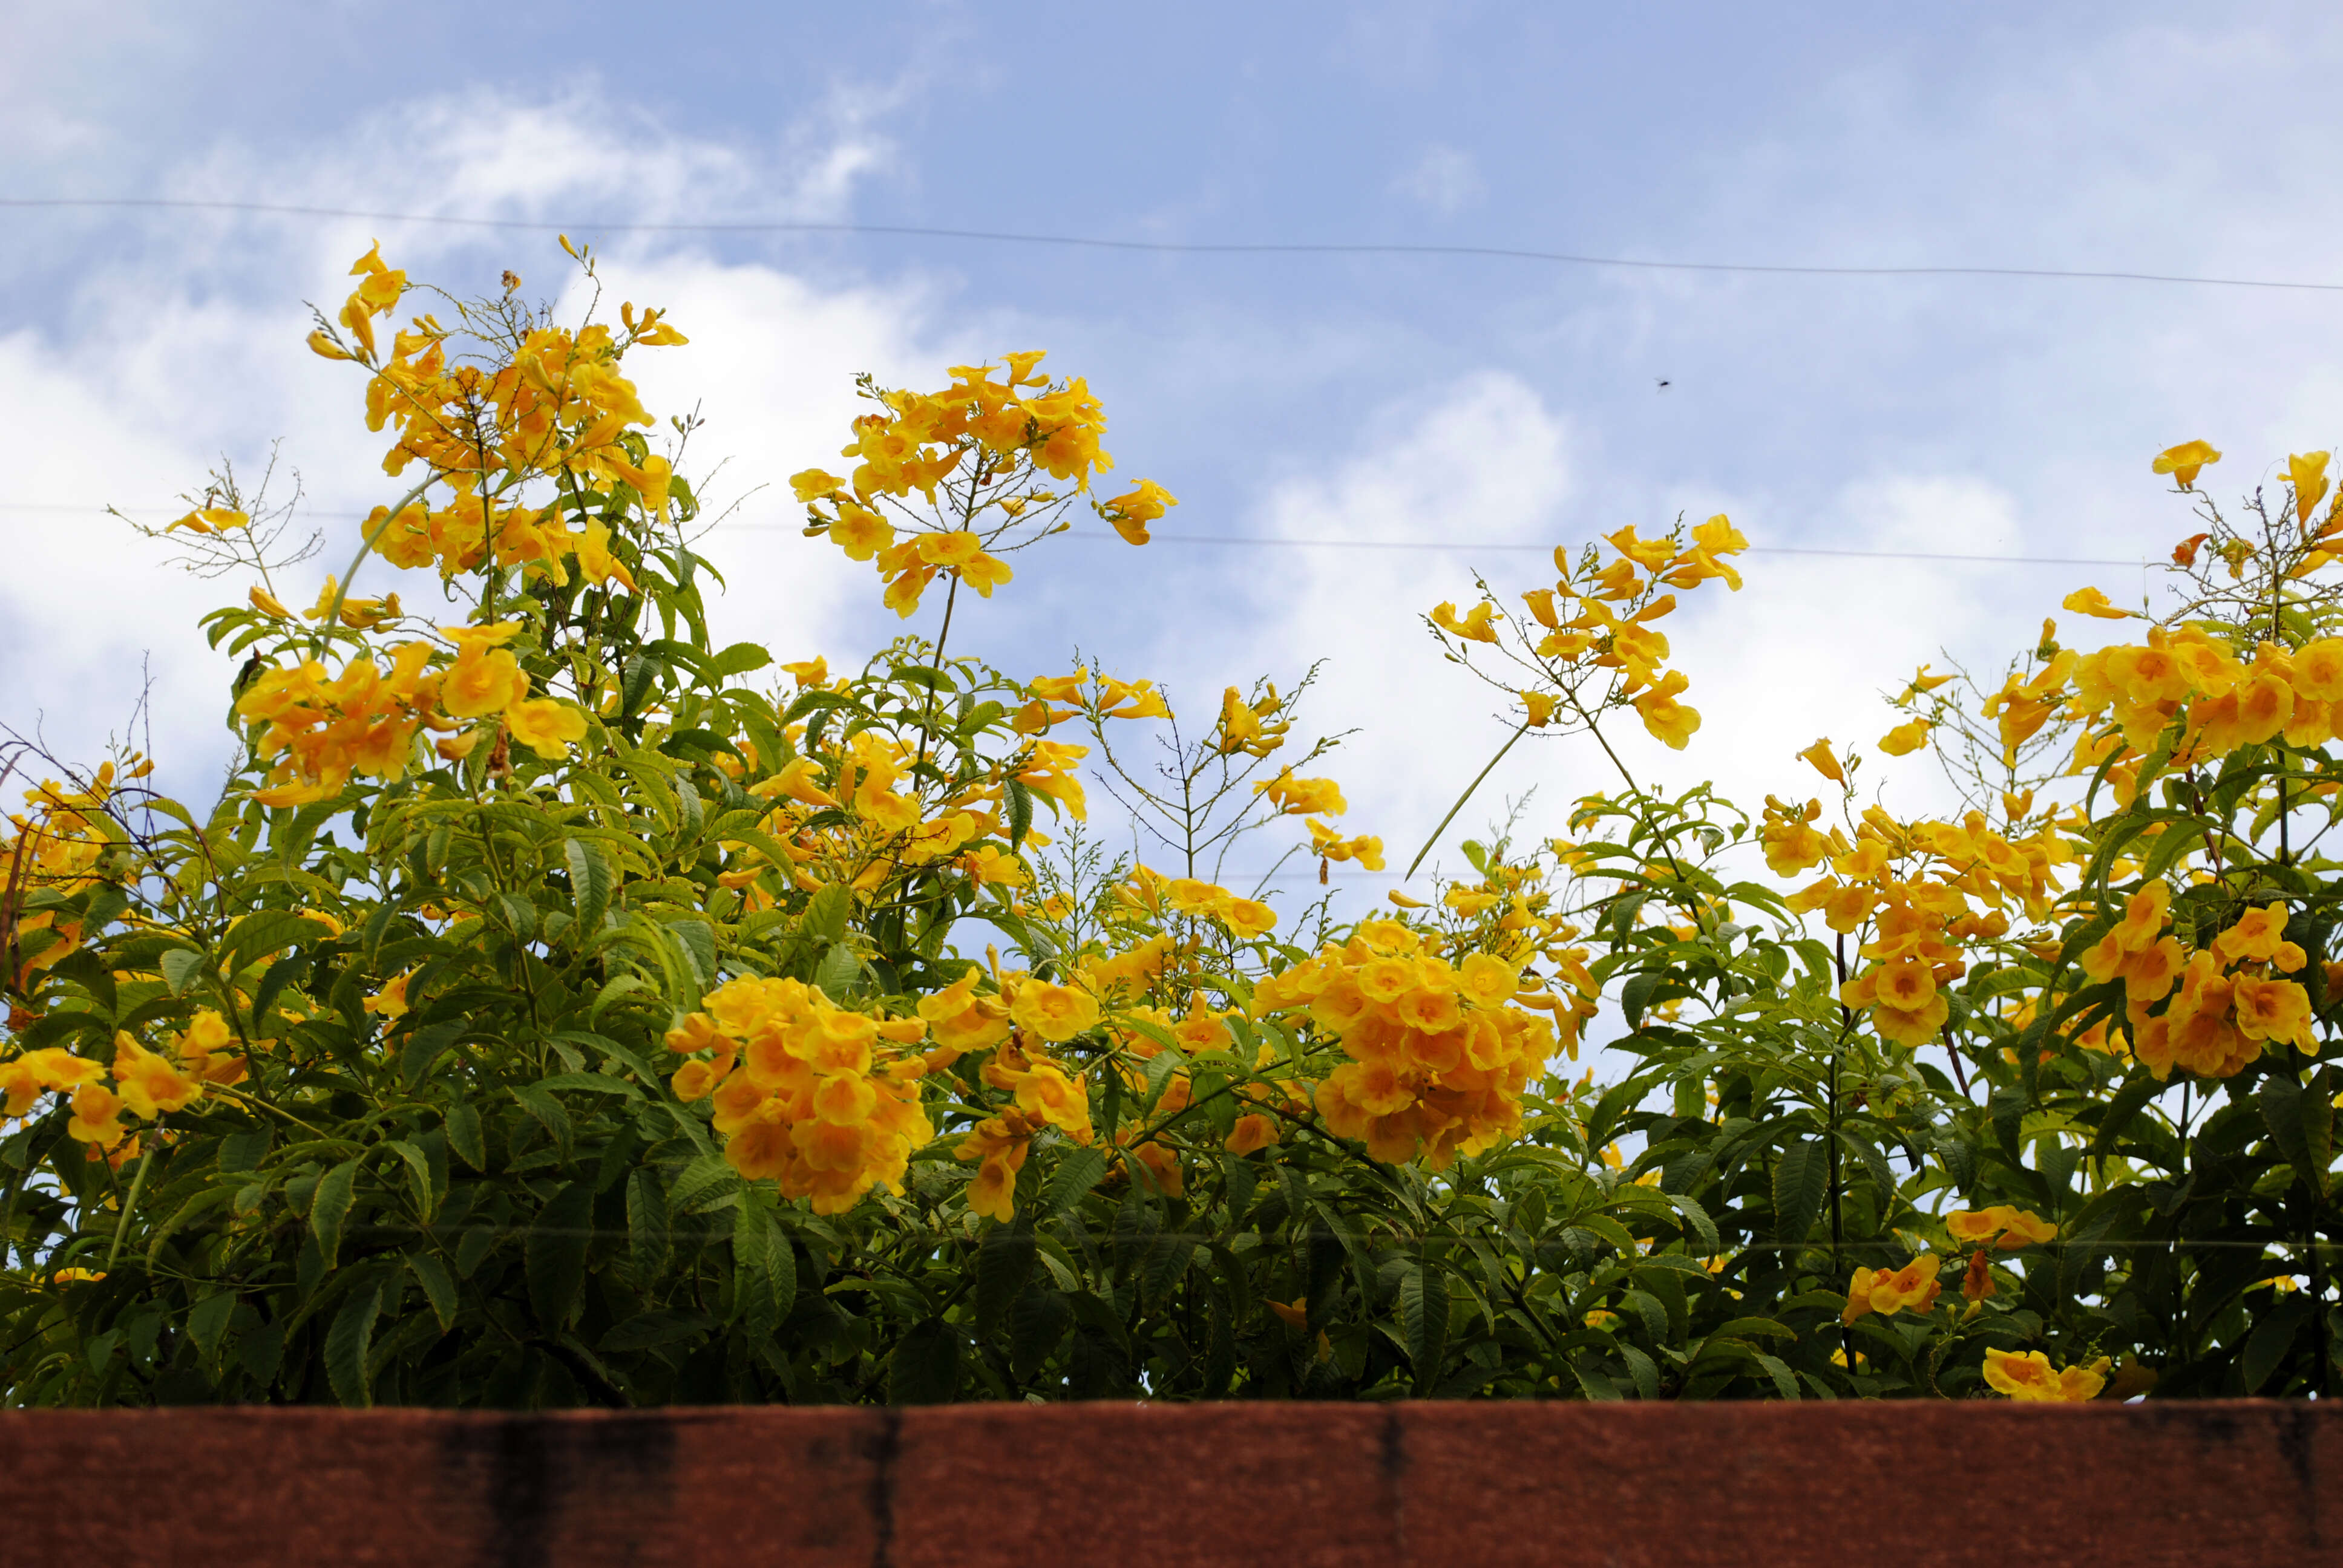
(558,1008)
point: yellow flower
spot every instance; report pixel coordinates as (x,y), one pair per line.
(2014,1227)
(1474,627)
(984,573)
(1129,514)
(1253,1131)
(2027,1375)
(2184,461)
(861,532)
(482,680)
(391,1000)
(97,1116)
(1906,738)
(1911,1288)
(2307,473)
(2090,601)
(1819,757)
(1671,722)
(545,726)
(1055,1012)
(813,485)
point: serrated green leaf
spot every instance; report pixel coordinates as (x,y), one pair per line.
(826,912)
(1082,1169)
(348,1342)
(1004,1263)
(925,1366)
(1424,1321)
(1801,1181)
(591,884)
(180,968)
(547,1113)
(556,1253)
(207,1322)
(838,972)
(437,1288)
(648,1330)
(329,1206)
(700,1183)
(646,1228)
(464,1135)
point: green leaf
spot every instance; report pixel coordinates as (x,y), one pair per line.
(590,882)
(1004,1262)
(701,1182)
(1071,1181)
(2125,1104)
(207,1322)
(838,972)
(1801,1181)
(348,1341)
(2272,1338)
(759,1276)
(2279,1100)
(180,968)
(698,938)
(331,1205)
(1038,1320)
(826,912)
(419,1170)
(1424,1321)
(463,1123)
(557,1253)
(1021,814)
(1640,1368)
(740,658)
(646,1228)
(925,1367)
(647,1331)
(1784,1380)
(589,1083)
(547,1112)
(439,1288)
(1697,1218)
(266,931)
(423,1047)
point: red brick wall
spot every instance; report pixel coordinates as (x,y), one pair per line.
(1634,1486)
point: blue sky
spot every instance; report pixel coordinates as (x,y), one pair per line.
(1472,401)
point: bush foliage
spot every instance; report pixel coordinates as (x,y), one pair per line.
(559,1008)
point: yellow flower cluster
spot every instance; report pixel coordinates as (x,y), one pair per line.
(2221,1005)
(146,1084)
(2027,1375)
(456,536)
(1582,631)
(824,1100)
(322,729)
(1914,883)
(2192,677)
(1001,437)
(887,825)
(1439,1053)
(1910,1289)
(56,846)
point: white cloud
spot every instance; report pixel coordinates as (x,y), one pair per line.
(163,362)
(1443,178)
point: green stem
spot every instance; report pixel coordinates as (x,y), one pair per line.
(1469,788)
(122,1226)
(366,543)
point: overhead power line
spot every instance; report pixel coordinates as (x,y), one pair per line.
(1270,541)
(1178,248)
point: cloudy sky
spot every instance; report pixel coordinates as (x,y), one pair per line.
(1468,403)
